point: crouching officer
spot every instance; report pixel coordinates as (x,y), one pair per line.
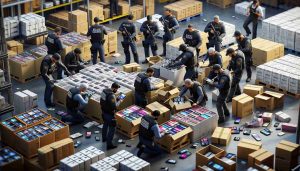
(97,33)
(143,85)
(213,58)
(192,38)
(109,104)
(76,102)
(223,84)
(149,29)
(187,58)
(48,66)
(149,130)
(216,32)
(198,94)
(128,30)
(73,61)
(236,65)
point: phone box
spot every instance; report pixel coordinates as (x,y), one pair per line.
(267,116)
(63,132)
(165,113)
(288,127)
(246,147)
(132,67)
(202,160)
(215,93)
(221,136)
(242,105)
(33,98)
(278,98)
(253,90)
(228,164)
(264,102)
(282,117)
(23,102)
(261,156)
(286,155)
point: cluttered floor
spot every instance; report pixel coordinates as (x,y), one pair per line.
(269,142)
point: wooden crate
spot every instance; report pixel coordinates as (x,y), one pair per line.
(22,72)
(61,133)
(48,116)
(33,165)
(16,165)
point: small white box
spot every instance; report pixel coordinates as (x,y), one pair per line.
(33,98)
(215,95)
(21,101)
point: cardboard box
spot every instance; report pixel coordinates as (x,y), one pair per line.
(132,67)
(15,46)
(283,165)
(33,98)
(267,116)
(153,60)
(77,16)
(242,105)
(165,113)
(178,107)
(16,165)
(221,136)
(264,102)
(202,160)
(278,98)
(22,70)
(228,164)
(253,90)
(288,127)
(287,150)
(246,147)
(167,93)
(261,156)
(282,117)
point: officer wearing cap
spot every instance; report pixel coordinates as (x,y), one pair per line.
(73,61)
(53,42)
(223,84)
(192,38)
(148,131)
(109,104)
(128,30)
(76,102)
(197,92)
(48,66)
(216,32)
(244,45)
(187,58)
(149,29)
(254,12)
(236,65)
(170,24)
(97,33)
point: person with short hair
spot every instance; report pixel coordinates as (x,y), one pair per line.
(192,38)
(216,32)
(197,92)
(254,12)
(53,42)
(73,61)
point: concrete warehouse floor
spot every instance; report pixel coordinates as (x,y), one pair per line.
(269,143)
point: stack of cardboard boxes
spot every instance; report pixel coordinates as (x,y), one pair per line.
(60,18)
(246,147)
(123,7)
(32,24)
(137,12)
(95,10)
(150,6)
(78,21)
(261,157)
(15,46)
(11,26)
(242,8)
(184,9)
(26,100)
(222,3)
(286,155)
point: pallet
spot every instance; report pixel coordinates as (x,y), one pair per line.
(130,135)
(220,5)
(277,89)
(191,17)
(25,80)
(176,147)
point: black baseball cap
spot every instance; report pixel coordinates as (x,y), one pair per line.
(96,19)
(115,85)
(229,51)
(156,113)
(237,33)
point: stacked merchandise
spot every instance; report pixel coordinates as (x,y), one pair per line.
(184,9)
(242,8)
(123,7)
(10,160)
(230,29)
(26,100)
(94,10)
(281,73)
(60,18)
(149,4)
(39,52)
(155,18)
(78,21)
(32,24)
(221,3)
(137,12)
(284,28)
(202,121)
(111,41)
(11,26)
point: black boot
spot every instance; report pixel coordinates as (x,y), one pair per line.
(136,57)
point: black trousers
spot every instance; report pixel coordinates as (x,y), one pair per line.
(254,21)
(113,7)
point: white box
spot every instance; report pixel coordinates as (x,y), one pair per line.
(33,98)
(21,102)
(215,93)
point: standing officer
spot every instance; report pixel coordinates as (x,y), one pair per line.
(254,11)
(170,24)
(192,38)
(223,85)
(109,104)
(216,32)
(149,29)
(128,30)
(48,66)
(237,65)
(53,42)
(76,102)
(113,4)
(187,58)
(199,96)
(97,33)
(143,85)
(73,61)
(213,58)
(149,130)
(244,45)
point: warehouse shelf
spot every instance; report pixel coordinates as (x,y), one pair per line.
(34,35)
(7,109)
(5,86)
(57,6)
(114,18)
(14,3)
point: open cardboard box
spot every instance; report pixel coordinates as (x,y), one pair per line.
(165,113)
(153,60)
(227,166)
(202,160)
(178,107)
(61,133)
(278,98)
(264,102)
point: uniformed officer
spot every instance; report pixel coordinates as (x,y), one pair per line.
(170,24)
(53,43)
(48,66)
(192,38)
(244,45)
(76,102)
(97,33)
(197,92)
(149,29)
(109,104)
(216,31)
(223,84)
(148,131)
(143,85)
(73,61)
(213,58)
(254,11)
(236,65)
(128,30)
(187,58)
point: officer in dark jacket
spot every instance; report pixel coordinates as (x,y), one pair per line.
(48,66)
(97,33)
(148,131)
(187,58)
(149,29)
(109,104)
(76,102)
(254,12)
(53,43)
(73,61)
(236,65)
(128,30)
(216,32)
(244,45)
(143,85)
(197,92)
(213,58)
(170,24)
(192,38)
(223,84)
